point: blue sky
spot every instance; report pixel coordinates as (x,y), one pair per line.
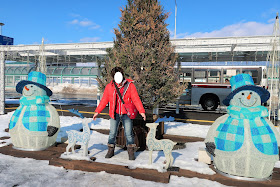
(72,21)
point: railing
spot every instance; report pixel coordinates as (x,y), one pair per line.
(54,80)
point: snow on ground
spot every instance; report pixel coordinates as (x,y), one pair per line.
(73,88)
(184,158)
(30,172)
(26,172)
(186,129)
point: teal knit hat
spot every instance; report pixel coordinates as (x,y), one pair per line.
(36,78)
(245,82)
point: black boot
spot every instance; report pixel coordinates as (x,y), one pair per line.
(131,150)
(111,149)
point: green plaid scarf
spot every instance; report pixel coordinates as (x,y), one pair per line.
(35,117)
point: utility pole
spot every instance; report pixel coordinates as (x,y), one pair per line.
(175,19)
(2,76)
(178,65)
(2,81)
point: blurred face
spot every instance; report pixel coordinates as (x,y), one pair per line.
(32,90)
(118,77)
(246,98)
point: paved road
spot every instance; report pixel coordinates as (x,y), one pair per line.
(186,115)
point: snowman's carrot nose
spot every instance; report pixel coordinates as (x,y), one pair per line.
(26,88)
(249,97)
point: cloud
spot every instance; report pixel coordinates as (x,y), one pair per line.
(75,21)
(238,29)
(75,15)
(94,26)
(88,39)
(85,23)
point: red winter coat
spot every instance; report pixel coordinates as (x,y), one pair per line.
(110,94)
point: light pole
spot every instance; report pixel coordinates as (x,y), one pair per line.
(1,24)
(175,19)
(177,102)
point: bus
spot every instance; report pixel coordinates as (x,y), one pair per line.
(208,86)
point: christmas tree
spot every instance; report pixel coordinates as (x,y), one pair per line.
(142,48)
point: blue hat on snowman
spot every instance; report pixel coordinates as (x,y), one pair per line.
(242,82)
(36,78)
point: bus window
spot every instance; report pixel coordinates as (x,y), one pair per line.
(200,75)
(228,73)
(214,76)
(186,77)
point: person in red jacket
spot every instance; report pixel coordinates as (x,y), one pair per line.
(117,111)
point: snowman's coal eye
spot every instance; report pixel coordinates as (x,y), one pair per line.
(251,93)
(242,93)
(31,86)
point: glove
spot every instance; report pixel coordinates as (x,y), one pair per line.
(51,130)
(210,148)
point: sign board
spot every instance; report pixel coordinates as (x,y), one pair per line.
(4,40)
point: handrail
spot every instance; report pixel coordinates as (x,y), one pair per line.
(51,70)
(81,70)
(63,70)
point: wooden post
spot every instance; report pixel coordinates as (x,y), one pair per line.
(2,83)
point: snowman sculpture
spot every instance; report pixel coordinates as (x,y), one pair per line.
(244,143)
(35,124)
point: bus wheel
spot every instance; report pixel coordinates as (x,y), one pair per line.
(209,103)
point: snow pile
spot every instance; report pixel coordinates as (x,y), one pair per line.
(76,156)
(100,123)
(186,129)
(73,88)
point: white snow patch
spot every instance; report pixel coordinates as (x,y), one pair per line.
(73,88)
(186,129)
(27,172)
(78,155)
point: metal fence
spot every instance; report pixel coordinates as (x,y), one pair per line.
(55,75)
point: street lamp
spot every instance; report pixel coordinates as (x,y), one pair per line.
(175,19)
(1,24)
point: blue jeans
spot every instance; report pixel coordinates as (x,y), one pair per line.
(114,124)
